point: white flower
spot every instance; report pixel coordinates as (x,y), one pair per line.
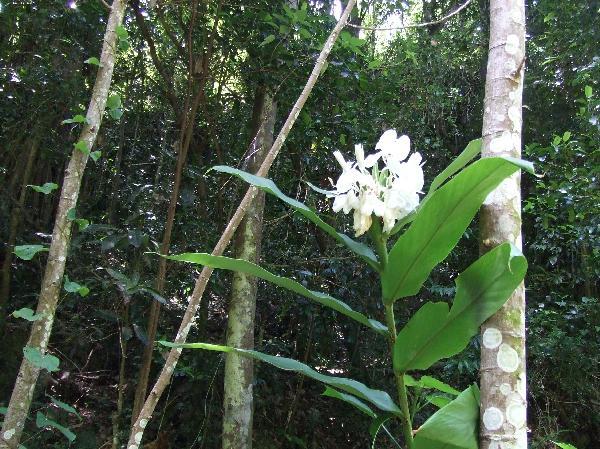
(390,193)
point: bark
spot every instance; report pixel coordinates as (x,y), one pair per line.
(137,431)
(13,230)
(239,371)
(22,394)
(503,392)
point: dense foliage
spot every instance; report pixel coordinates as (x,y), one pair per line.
(426,82)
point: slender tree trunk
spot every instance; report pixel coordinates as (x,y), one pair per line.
(137,432)
(239,372)
(22,394)
(13,230)
(503,386)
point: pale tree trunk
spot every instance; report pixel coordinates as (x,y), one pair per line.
(13,230)
(503,386)
(239,372)
(22,394)
(137,431)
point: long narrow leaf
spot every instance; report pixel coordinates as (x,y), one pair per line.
(379,398)
(435,332)
(270,187)
(440,223)
(467,155)
(243,266)
(348,398)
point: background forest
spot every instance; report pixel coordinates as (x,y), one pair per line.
(189,79)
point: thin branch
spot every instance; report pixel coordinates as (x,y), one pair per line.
(106,5)
(416,25)
(137,430)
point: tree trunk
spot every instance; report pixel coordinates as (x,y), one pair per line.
(503,387)
(22,394)
(13,230)
(237,400)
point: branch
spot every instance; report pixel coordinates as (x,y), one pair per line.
(137,430)
(416,25)
(106,5)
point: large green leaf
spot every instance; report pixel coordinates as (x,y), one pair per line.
(269,186)
(379,398)
(454,426)
(440,223)
(436,332)
(243,266)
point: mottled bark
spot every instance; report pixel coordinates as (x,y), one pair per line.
(13,230)
(22,394)
(239,372)
(503,386)
(137,431)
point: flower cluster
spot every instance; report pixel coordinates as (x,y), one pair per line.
(390,193)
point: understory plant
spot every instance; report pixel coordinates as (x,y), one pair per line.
(410,234)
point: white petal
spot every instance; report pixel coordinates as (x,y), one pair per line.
(372,159)
(386,140)
(360,155)
(339,203)
(340,159)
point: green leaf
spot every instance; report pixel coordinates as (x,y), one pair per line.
(42,421)
(439,224)
(45,189)
(74,287)
(44,361)
(153,293)
(468,154)
(566,136)
(360,405)
(77,119)
(82,223)
(93,61)
(66,407)
(453,426)
(27,314)
(121,32)
(95,155)
(270,38)
(82,146)
(432,382)
(26,252)
(269,186)
(435,332)
(116,113)
(113,101)
(378,398)
(588,91)
(438,400)
(243,266)
(564,445)
(72,214)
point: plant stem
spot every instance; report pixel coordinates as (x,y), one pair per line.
(401,387)
(379,240)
